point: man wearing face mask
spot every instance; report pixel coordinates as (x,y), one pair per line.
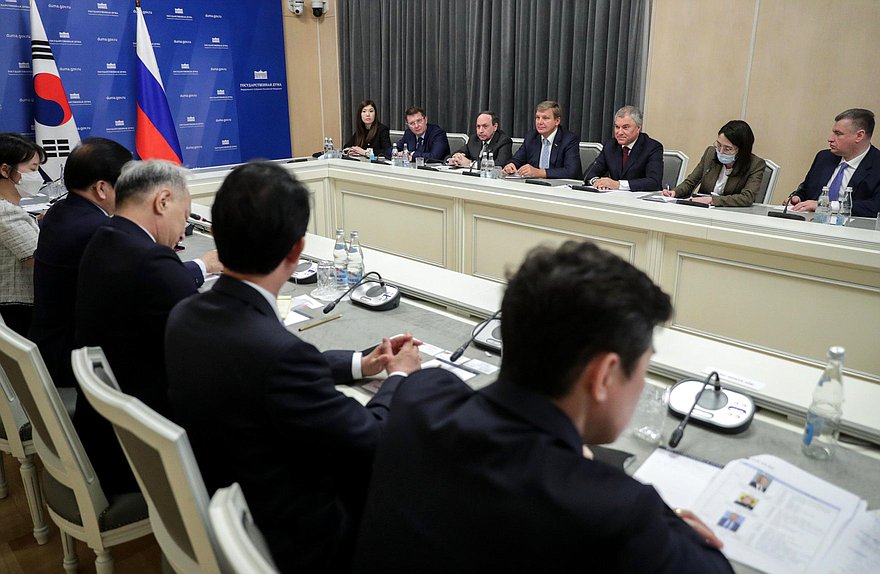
(729,174)
(20,160)
(129,279)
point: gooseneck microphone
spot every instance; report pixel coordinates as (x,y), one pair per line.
(679,430)
(784,214)
(330,306)
(459,351)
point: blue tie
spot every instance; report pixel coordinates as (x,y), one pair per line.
(545,154)
(834,190)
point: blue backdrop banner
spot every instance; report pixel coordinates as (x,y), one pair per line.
(222,64)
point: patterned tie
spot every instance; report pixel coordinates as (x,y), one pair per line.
(545,154)
(625,157)
(419,144)
(834,190)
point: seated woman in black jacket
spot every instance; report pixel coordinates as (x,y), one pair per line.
(368,133)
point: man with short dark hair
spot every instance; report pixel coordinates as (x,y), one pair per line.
(259,404)
(423,139)
(488,138)
(90,176)
(850,161)
(631,160)
(129,279)
(497,480)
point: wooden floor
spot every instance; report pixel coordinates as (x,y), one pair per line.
(20,553)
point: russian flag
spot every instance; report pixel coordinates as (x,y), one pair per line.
(155,136)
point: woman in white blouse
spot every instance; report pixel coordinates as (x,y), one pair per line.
(20,160)
(729,174)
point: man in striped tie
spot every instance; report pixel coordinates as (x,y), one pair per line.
(851,161)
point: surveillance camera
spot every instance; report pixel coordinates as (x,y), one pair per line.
(296,6)
(319,8)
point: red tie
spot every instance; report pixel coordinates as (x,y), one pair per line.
(625,156)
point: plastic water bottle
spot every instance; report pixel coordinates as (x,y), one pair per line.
(845,213)
(405,159)
(822,428)
(489,166)
(370,154)
(823,209)
(484,159)
(355,260)
(340,261)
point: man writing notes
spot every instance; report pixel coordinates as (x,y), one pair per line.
(489,138)
(423,139)
(851,161)
(497,480)
(630,161)
(259,404)
(129,279)
(548,151)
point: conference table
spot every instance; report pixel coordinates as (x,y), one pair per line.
(427,311)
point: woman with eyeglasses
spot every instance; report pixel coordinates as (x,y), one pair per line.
(20,160)
(729,174)
(368,132)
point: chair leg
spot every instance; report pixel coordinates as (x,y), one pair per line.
(68,545)
(104,562)
(34,498)
(4,486)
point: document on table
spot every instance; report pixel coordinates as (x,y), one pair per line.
(679,479)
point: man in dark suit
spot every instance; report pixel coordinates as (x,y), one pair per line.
(129,279)
(850,161)
(423,139)
(630,161)
(549,151)
(498,480)
(489,138)
(90,175)
(259,405)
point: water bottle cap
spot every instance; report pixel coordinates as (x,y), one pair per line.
(837,353)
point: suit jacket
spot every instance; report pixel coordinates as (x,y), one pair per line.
(260,408)
(495,481)
(64,233)
(565,157)
(381,144)
(865,181)
(436,144)
(644,166)
(500,146)
(739,191)
(127,285)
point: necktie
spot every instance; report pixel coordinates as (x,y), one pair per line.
(625,157)
(834,190)
(545,155)
(420,143)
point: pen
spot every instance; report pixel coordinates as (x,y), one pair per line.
(321,322)
(457,366)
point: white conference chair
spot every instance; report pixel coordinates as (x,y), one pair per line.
(456,140)
(768,183)
(241,542)
(76,501)
(395,136)
(163,463)
(517,143)
(674,167)
(589,152)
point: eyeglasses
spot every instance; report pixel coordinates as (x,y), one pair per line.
(725,148)
(415,123)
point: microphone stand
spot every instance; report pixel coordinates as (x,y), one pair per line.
(679,430)
(785,214)
(459,351)
(331,306)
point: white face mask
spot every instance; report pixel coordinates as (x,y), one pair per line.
(30,183)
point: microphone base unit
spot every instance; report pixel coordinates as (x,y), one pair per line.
(786,215)
(489,339)
(375,296)
(306,272)
(725,410)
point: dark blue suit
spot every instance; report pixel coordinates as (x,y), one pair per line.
(865,181)
(644,166)
(127,286)
(64,233)
(436,145)
(260,408)
(495,481)
(565,157)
